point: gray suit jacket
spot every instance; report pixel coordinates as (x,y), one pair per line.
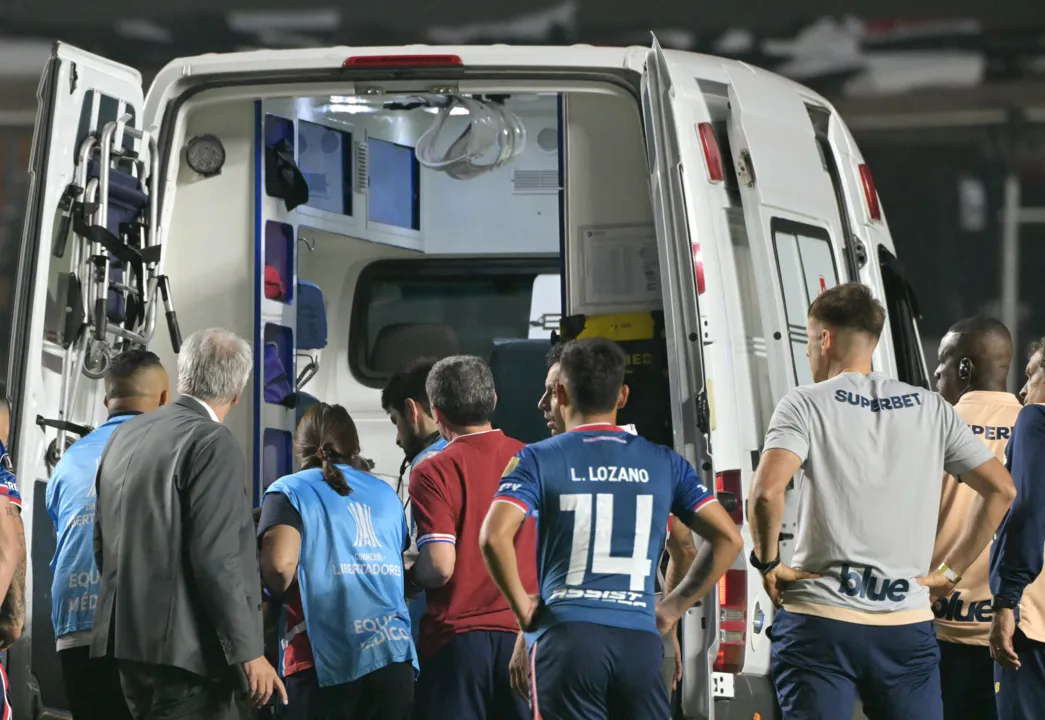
(174,541)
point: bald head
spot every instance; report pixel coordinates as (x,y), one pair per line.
(975,354)
(136,382)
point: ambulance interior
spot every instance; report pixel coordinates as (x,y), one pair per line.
(344,237)
(401,252)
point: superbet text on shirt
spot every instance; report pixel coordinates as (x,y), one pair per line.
(603,496)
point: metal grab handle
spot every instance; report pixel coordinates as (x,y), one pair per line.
(172,316)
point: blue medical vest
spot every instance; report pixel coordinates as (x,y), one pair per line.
(350,573)
(603,497)
(419,604)
(70,503)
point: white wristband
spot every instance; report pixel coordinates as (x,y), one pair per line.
(949,574)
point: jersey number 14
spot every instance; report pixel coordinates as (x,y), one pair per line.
(638,566)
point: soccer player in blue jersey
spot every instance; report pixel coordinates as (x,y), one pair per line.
(603,496)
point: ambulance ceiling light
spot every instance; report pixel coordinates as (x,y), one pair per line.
(456,110)
(353,104)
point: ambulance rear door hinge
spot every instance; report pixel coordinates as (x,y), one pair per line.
(705,330)
(703,412)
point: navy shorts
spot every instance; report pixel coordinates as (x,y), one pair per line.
(967,681)
(468,678)
(820,665)
(597,672)
(1021,694)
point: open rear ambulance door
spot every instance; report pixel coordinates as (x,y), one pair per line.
(690,415)
(79,94)
(791,213)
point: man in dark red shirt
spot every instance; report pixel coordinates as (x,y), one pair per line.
(468,631)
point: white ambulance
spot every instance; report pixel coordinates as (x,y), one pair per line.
(350,209)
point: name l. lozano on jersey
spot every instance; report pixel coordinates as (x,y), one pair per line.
(611,473)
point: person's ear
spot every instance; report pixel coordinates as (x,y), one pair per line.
(412,411)
(560,395)
(622,397)
(105,402)
(827,340)
(495,400)
(235,401)
(438,416)
(164,398)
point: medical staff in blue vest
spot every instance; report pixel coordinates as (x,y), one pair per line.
(332,542)
(406,402)
(135,383)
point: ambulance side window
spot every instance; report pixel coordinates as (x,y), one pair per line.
(901,307)
(805,262)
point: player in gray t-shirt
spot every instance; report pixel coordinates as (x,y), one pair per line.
(873,450)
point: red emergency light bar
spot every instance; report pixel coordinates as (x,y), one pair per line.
(874,209)
(712,154)
(403,61)
(698,267)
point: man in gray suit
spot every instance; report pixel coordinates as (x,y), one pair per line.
(180,600)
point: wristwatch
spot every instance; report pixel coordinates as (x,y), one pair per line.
(763,567)
(1002,603)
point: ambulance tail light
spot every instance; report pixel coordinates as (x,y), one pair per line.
(712,155)
(874,209)
(732,588)
(698,267)
(732,625)
(402,61)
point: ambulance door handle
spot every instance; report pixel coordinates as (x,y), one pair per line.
(727,500)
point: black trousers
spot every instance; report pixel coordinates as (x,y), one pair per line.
(967,682)
(92,686)
(164,692)
(384,694)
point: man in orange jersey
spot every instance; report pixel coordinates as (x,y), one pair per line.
(974,360)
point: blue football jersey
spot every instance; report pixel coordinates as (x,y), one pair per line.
(603,496)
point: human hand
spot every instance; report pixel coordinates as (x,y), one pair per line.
(262,682)
(528,618)
(10,632)
(938,584)
(678,663)
(519,668)
(1003,626)
(776,581)
(667,617)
